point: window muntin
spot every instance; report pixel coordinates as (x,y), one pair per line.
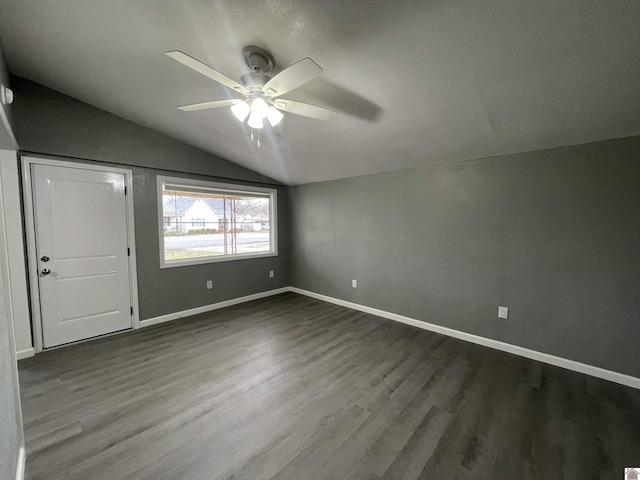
(203,222)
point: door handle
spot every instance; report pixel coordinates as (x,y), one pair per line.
(45,272)
(44,259)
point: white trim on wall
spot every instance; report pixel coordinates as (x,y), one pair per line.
(598,372)
(21,461)
(210,307)
(27,161)
(573,365)
(26,353)
(12,203)
(13,368)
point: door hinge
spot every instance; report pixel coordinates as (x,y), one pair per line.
(125,190)
(131,311)
(128,252)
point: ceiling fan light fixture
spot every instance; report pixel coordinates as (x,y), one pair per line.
(274,116)
(256,121)
(259,107)
(241,110)
(262,93)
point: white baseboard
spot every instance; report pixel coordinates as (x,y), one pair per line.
(616,377)
(26,353)
(591,370)
(20,467)
(208,308)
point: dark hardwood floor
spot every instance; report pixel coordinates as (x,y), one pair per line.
(291,387)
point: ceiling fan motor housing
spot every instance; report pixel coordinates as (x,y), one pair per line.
(258,59)
(254,81)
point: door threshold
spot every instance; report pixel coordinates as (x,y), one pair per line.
(85,340)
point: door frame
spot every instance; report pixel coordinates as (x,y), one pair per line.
(30,230)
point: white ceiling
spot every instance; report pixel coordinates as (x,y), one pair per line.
(418,83)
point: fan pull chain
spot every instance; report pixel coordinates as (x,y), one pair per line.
(256,138)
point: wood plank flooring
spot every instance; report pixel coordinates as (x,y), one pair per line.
(290,387)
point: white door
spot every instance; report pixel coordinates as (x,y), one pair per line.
(81,243)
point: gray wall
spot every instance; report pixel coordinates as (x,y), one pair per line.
(51,123)
(554,235)
(174,289)
(6,136)
(46,121)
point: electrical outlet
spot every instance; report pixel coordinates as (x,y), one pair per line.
(354,283)
(503,312)
(209,284)
(272,274)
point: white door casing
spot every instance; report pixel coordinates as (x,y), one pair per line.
(80,219)
(12,204)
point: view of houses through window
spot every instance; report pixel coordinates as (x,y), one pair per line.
(203,222)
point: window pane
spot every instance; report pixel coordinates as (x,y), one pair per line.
(204,223)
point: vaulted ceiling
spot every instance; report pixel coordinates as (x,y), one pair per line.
(417,82)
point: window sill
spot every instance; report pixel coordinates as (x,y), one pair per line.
(222,258)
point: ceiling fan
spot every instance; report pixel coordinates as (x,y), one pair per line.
(261,93)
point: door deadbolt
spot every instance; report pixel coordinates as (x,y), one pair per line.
(45,271)
(44,259)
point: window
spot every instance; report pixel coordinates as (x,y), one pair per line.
(203,222)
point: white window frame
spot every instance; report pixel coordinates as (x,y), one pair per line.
(273,221)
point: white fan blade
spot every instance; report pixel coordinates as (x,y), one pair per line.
(292,77)
(305,109)
(206,70)
(207,105)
